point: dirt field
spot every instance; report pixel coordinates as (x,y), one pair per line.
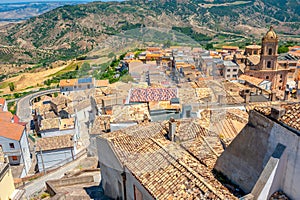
(26,80)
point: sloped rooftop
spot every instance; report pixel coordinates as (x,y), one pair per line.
(291,117)
(135,112)
(152,94)
(56,142)
(171,170)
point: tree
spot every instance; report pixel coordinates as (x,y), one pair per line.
(283,49)
(11,86)
(47,82)
(209,46)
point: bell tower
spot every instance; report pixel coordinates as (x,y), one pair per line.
(268,58)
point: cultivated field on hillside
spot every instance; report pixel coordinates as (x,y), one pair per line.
(30,80)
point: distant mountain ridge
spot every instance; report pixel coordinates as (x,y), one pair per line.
(18,11)
(72,30)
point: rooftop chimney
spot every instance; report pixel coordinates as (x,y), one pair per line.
(172,129)
(277,112)
(221,99)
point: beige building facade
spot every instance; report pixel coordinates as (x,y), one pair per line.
(266,67)
(7,186)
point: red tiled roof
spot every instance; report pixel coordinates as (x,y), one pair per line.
(230,47)
(8,117)
(167,169)
(11,130)
(17,120)
(56,142)
(2,101)
(153,49)
(152,94)
(67,82)
(5,116)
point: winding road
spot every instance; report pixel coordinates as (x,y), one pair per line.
(24,104)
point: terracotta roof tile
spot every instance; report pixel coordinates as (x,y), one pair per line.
(253,46)
(167,169)
(2,102)
(67,82)
(101,124)
(291,116)
(5,116)
(254,59)
(11,130)
(65,124)
(51,123)
(56,142)
(152,94)
(61,100)
(252,80)
(135,112)
(102,83)
(230,47)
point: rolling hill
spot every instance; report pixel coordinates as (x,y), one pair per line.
(72,30)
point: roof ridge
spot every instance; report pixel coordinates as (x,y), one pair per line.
(190,170)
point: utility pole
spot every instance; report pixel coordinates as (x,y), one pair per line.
(42,160)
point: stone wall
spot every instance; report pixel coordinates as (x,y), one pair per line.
(245,158)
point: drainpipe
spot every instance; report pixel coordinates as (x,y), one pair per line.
(124,184)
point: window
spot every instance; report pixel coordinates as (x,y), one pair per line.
(235,70)
(267,77)
(14,158)
(270,51)
(280,75)
(269,64)
(234,76)
(228,76)
(228,70)
(11,145)
(88,86)
(255,52)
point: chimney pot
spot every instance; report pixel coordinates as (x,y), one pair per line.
(277,112)
(172,129)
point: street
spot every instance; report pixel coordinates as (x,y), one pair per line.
(39,184)
(24,106)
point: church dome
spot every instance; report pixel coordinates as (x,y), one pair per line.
(270,35)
